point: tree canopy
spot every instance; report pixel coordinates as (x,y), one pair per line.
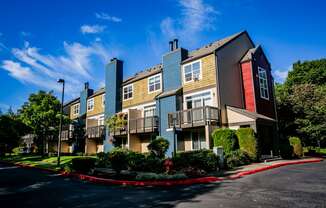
(302,102)
(42,113)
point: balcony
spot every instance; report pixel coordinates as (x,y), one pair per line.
(194,117)
(67,134)
(119,131)
(95,132)
(143,125)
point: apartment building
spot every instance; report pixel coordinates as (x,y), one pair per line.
(227,83)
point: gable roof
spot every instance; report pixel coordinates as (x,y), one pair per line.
(249,54)
(250,114)
(211,47)
(143,74)
(97,92)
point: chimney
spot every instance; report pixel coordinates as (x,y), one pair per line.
(113,59)
(86,85)
(171,45)
(175,44)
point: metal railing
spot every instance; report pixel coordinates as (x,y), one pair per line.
(193,117)
(143,125)
(96,131)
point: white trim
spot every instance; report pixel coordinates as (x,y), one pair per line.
(90,100)
(160,75)
(200,71)
(198,93)
(266,98)
(103,98)
(132,92)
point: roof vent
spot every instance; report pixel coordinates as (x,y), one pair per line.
(175,44)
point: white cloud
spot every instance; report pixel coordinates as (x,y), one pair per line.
(196,16)
(105,16)
(92,29)
(76,66)
(281,75)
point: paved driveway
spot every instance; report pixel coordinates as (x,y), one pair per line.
(290,186)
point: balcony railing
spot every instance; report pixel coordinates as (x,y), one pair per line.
(67,134)
(119,131)
(96,132)
(143,125)
(194,117)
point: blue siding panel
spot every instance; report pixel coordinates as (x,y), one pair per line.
(113,99)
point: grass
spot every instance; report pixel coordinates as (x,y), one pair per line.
(39,161)
(318,150)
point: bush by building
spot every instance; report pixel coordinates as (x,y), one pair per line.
(236,158)
(295,142)
(286,150)
(83,164)
(158,147)
(226,138)
(118,159)
(248,142)
(200,159)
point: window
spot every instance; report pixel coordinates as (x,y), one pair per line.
(263,83)
(127,92)
(103,100)
(90,104)
(149,111)
(192,71)
(75,109)
(154,83)
(100,121)
(198,100)
(198,140)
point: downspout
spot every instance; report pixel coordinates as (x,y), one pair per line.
(218,94)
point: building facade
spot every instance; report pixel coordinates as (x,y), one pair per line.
(227,83)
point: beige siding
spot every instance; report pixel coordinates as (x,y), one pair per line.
(72,116)
(140,94)
(208,77)
(98,106)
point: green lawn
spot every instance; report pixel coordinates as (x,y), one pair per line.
(39,161)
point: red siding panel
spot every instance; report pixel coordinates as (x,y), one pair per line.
(248,88)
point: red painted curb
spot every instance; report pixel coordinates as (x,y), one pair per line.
(257,170)
(190,181)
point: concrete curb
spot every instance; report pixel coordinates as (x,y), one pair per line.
(170,183)
(257,170)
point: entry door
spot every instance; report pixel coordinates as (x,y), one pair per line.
(198,140)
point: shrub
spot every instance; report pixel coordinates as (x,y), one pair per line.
(103,159)
(136,161)
(158,147)
(225,138)
(16,150)
(295,142)
(286,150)
(83,164)
(236,158)
(155,176)
(118,159)
(153,164)
(248,142)
(200,159)
(67,169)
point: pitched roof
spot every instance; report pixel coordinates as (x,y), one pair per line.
(248,55)
(98,92)
(250,114)
(146,73)
(211,47)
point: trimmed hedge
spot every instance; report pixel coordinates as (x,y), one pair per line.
(83,164)
(286,150)
(226,138)
(295,142)
(118,159)
(248,142)
(236,158)
(200,159)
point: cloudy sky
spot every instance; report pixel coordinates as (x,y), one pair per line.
(41,41)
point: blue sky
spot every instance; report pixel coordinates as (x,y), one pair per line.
(43,40)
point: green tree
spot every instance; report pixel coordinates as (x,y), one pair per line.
(42,114)
(11,130)
(301,102)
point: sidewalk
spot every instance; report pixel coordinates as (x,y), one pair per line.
(258,167)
